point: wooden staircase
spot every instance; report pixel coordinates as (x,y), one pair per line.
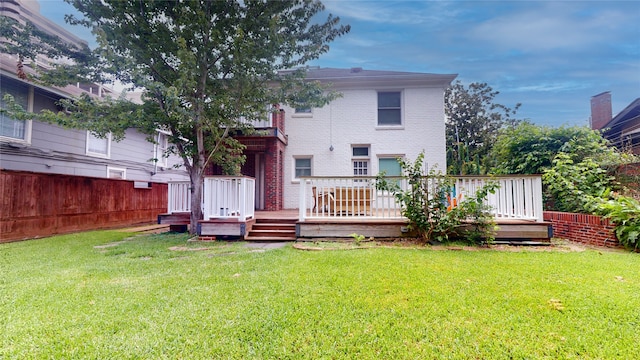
(272,230)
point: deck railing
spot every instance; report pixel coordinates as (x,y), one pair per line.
(229,197)
(222,197)
(179,197)
(517,197)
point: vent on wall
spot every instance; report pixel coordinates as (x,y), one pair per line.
(141,185)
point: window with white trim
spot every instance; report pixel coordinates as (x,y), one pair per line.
(360,160)
(116,173)
(389,108)
(96,146)
(390,166)
(302,167)
(161,146)
(11,129)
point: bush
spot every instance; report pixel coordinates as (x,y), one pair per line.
(425,204)
(571,186)
(624,212)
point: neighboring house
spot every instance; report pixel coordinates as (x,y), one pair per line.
(381,116)
(45,148)
(623,130)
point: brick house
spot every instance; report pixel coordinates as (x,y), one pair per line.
(381,115)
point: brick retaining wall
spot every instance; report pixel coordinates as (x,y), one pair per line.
(582,228)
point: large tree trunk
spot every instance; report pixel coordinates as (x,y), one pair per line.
(196,199)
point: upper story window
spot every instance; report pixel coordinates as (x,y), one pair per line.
(302,167)
(389,108)
(11,129)
(100,147)
(360,159)
(305,110)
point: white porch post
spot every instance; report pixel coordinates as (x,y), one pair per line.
(302,203)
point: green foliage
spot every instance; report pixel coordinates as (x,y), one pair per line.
(357,238)
(205,67)
(473,122)
(571,186)
(425,204)
(530,149)
(624,212)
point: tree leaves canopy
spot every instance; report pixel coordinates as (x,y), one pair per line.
(205,67)
(473,123)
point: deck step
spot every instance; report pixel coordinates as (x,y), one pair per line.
(270,226)
(269,239)
(272,230)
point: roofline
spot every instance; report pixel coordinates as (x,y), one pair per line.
(386,79)
(622,114)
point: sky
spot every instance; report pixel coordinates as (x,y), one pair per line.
(550,56)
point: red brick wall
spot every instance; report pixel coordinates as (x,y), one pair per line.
(582,228)
(278,120)
(274,176)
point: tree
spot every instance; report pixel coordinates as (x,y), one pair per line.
(577,164)
(530,149)
(203,66)
(473,123)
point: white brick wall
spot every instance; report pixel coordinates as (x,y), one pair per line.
(352,119)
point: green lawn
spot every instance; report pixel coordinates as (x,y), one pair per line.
(63,298)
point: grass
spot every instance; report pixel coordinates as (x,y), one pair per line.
(62,297)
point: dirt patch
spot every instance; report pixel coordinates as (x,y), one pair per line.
(113,244)
(556,245)
(185,248)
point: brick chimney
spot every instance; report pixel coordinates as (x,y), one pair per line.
(601,112)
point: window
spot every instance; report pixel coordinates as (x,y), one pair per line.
(391,167)
(96,146)
(303,167)
(161,148)
(389,108)
(305,110)
(13,129)
(116,173)
(360,160)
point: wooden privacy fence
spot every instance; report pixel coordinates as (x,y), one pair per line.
(37,205)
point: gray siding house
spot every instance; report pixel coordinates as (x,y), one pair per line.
(46,148)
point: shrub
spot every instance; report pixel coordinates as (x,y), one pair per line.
(624,212)
(425,204)
(571,186)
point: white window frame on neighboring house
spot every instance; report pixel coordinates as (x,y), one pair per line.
(21,128)
(159,149)
(115,170)
(360,160)
(385,106)
(91,151)
(297,167)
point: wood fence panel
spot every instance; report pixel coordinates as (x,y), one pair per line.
(36,205)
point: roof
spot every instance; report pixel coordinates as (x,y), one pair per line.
(630,112)
(360,76)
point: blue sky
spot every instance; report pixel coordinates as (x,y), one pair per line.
(551,56)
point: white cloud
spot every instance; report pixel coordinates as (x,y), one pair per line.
(393,12)
(551,26)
